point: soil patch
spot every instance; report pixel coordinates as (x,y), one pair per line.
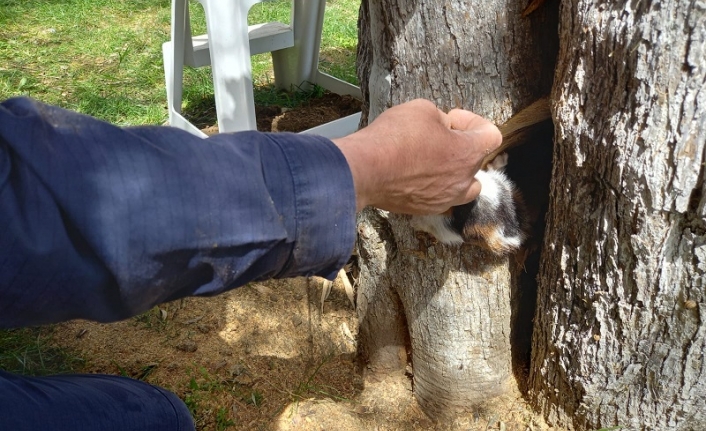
(312,113)
(238,360)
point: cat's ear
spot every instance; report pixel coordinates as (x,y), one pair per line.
(498,163)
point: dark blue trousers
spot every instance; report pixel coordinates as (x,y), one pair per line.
(88,402)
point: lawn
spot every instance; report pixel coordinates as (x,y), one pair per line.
(104,57)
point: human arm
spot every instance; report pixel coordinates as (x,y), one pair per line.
(103,223)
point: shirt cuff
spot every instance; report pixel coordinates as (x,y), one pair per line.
(324,205)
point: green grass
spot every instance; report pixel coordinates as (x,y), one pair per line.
(204,389)
(104,58)
(72,54)
(30,352)
(339,40)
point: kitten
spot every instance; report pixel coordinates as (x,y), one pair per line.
(494,219)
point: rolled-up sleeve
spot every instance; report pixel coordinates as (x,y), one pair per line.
(101,222)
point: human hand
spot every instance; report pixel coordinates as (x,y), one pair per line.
(416,159)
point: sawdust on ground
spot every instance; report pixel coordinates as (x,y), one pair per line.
(265,357)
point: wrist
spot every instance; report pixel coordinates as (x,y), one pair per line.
(361,165)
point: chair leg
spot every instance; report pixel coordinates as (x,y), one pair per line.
(298,66)
(173,53)
(173,56)
(230,64)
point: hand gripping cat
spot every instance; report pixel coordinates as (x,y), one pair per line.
(495,219)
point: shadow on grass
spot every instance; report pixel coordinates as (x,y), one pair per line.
(340,62)
(200,110)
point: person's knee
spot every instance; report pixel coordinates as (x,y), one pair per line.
(182,415)
(89,402)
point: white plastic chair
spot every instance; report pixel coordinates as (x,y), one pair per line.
(227,48)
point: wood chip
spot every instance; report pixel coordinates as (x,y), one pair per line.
(348,286)
(192,321)
(346,331)
(263,290)
(187,346)
(326,290)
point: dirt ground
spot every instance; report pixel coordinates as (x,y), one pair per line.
(264,357)
(268,356)
(315,112)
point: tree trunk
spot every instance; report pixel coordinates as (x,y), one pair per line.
(450,305)
(620,330)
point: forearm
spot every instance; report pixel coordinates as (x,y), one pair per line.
(104,222)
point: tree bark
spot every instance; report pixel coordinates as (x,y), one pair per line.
(450,305)
(620,330)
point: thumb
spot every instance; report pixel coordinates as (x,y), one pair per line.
(487,136)
(472,193)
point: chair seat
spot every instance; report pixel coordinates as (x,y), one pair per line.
(265,37)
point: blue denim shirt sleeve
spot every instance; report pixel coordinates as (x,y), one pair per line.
(102,223)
